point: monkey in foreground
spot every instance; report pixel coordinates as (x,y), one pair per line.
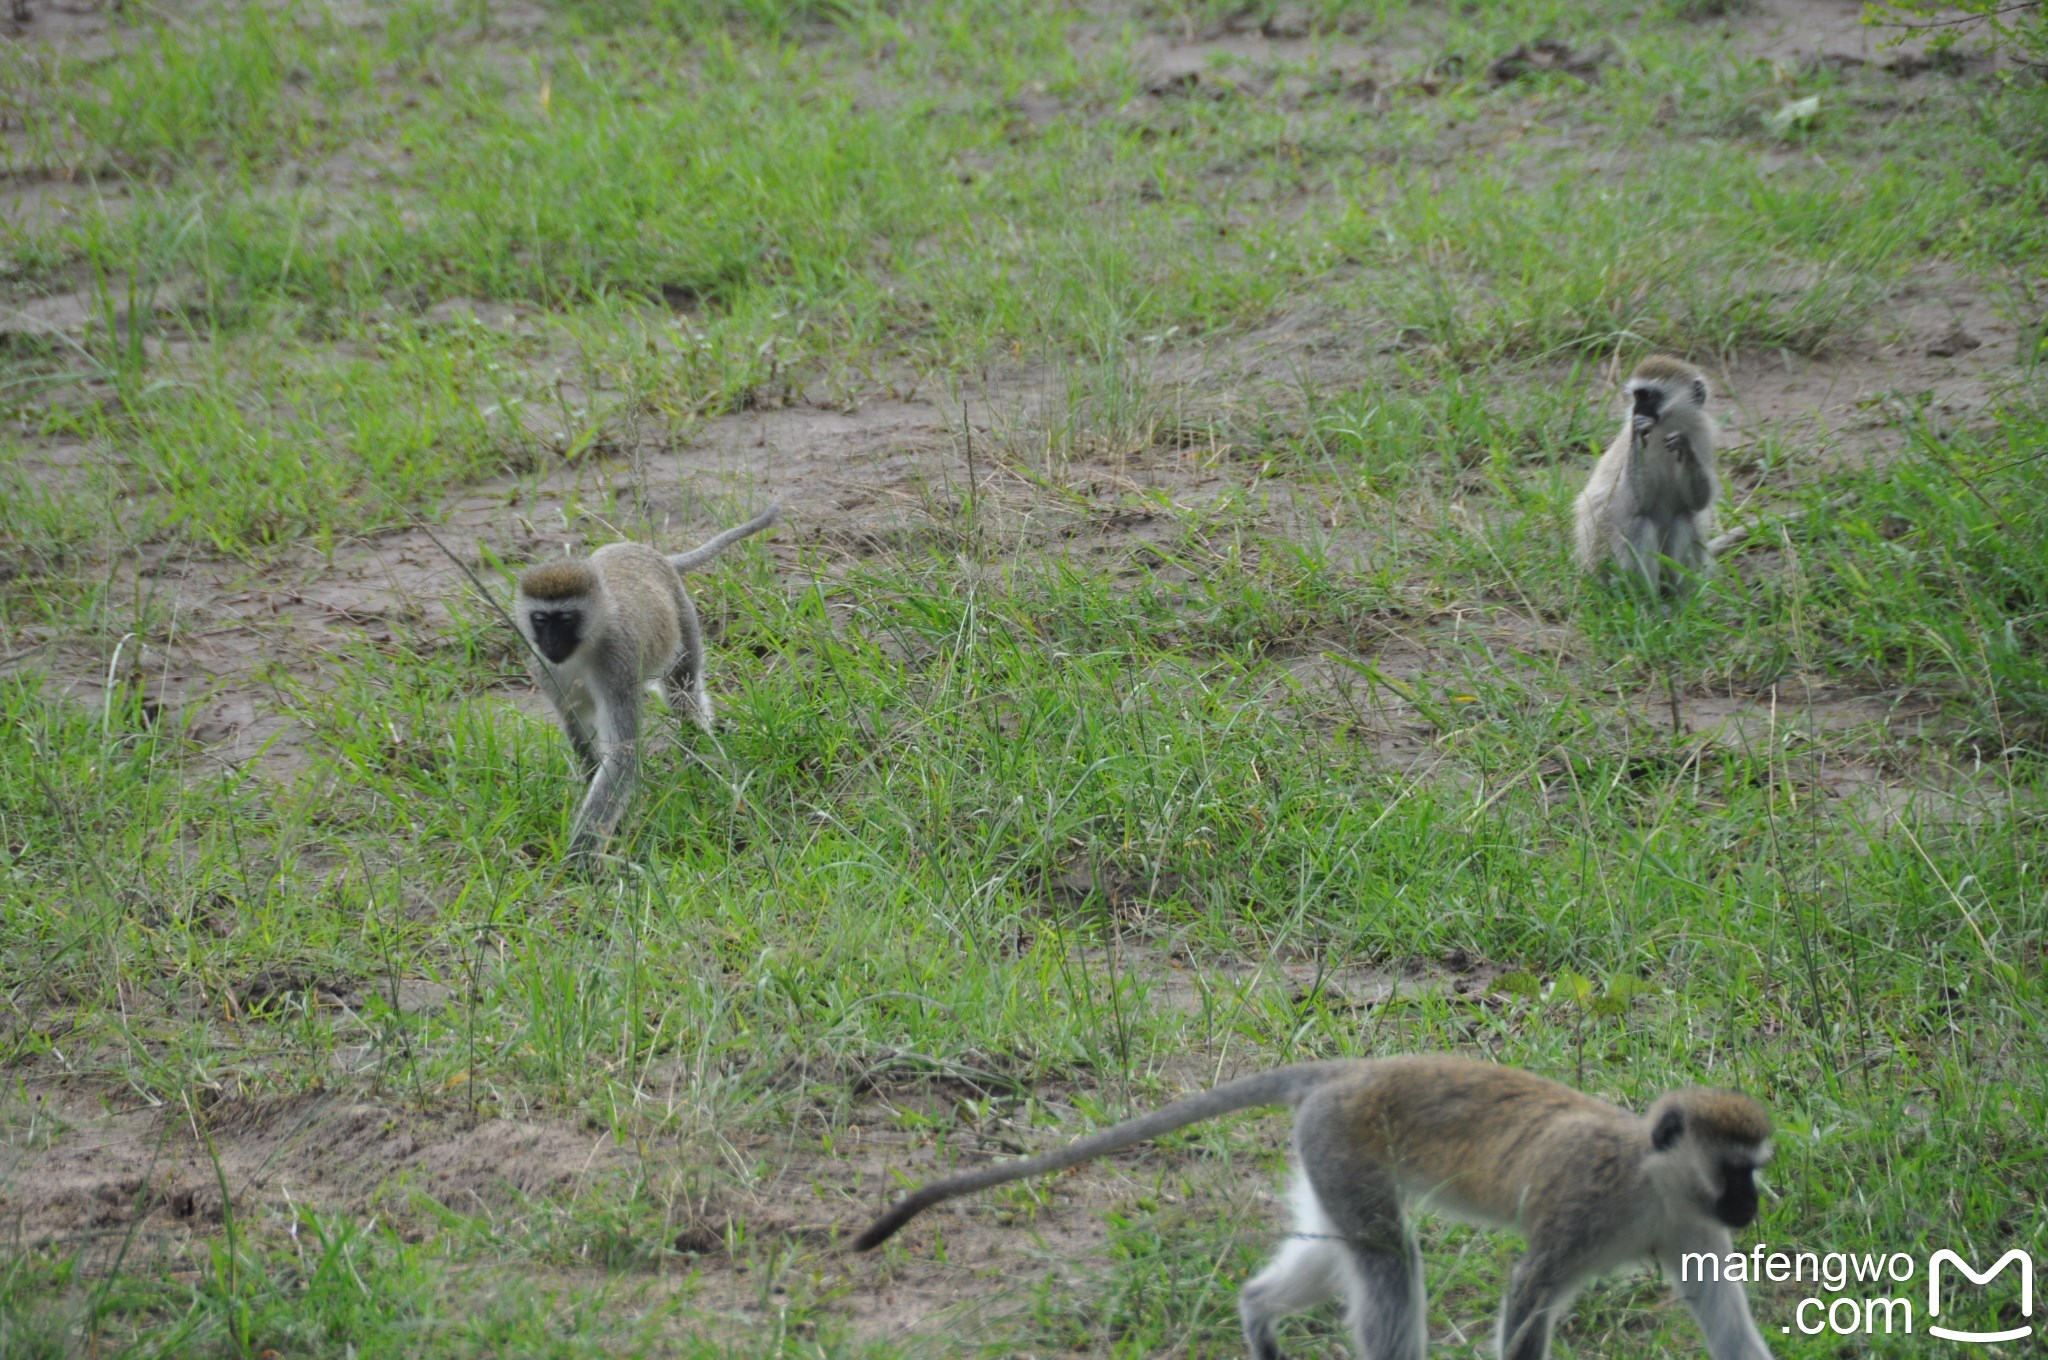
(602,629)
(1651,495)
(1588,1184)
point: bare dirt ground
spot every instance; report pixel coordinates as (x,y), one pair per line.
(145,1185)
(82,1171)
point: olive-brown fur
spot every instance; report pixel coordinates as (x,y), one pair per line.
(601,631)
(1665,366)
(558,581)
(1728,1115)
(1589,1184)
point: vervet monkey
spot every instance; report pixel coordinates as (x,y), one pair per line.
(1588,1184)
(602,629)
(1651,495)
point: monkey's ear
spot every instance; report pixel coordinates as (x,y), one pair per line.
(1699,391)
(1670,1127)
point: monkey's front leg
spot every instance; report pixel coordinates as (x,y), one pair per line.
(1531,1309)
(1721,1307)
(577,713)
(686,677)
(618,772)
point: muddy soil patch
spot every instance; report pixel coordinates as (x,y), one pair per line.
(1947,342)
(1832,33)
(76,1172)
(748,1250)
(142,1184)
(1191,986)
(242,648)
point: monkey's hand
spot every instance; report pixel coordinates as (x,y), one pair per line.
(1679,445)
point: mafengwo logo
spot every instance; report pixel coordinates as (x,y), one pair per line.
(2015,1257)
(1873,1294)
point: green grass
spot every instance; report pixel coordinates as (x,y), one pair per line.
(998,840)
(828,209)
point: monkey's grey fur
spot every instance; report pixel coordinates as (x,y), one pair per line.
(1589,1185)
(602,629)
(1650,499)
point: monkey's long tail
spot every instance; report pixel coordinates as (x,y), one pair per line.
(1740,535)
(1281,1086)
(698,556)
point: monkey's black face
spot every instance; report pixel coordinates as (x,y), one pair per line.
(556,632)
(1649,408)
(1737,1205)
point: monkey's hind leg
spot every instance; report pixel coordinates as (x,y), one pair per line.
(1687,549)
(1642,552)
(686,677)
(1382,1277)
(1389,1312)
(686,684)
(1307,1271)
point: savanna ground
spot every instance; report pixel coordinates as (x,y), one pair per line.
(1170,665)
